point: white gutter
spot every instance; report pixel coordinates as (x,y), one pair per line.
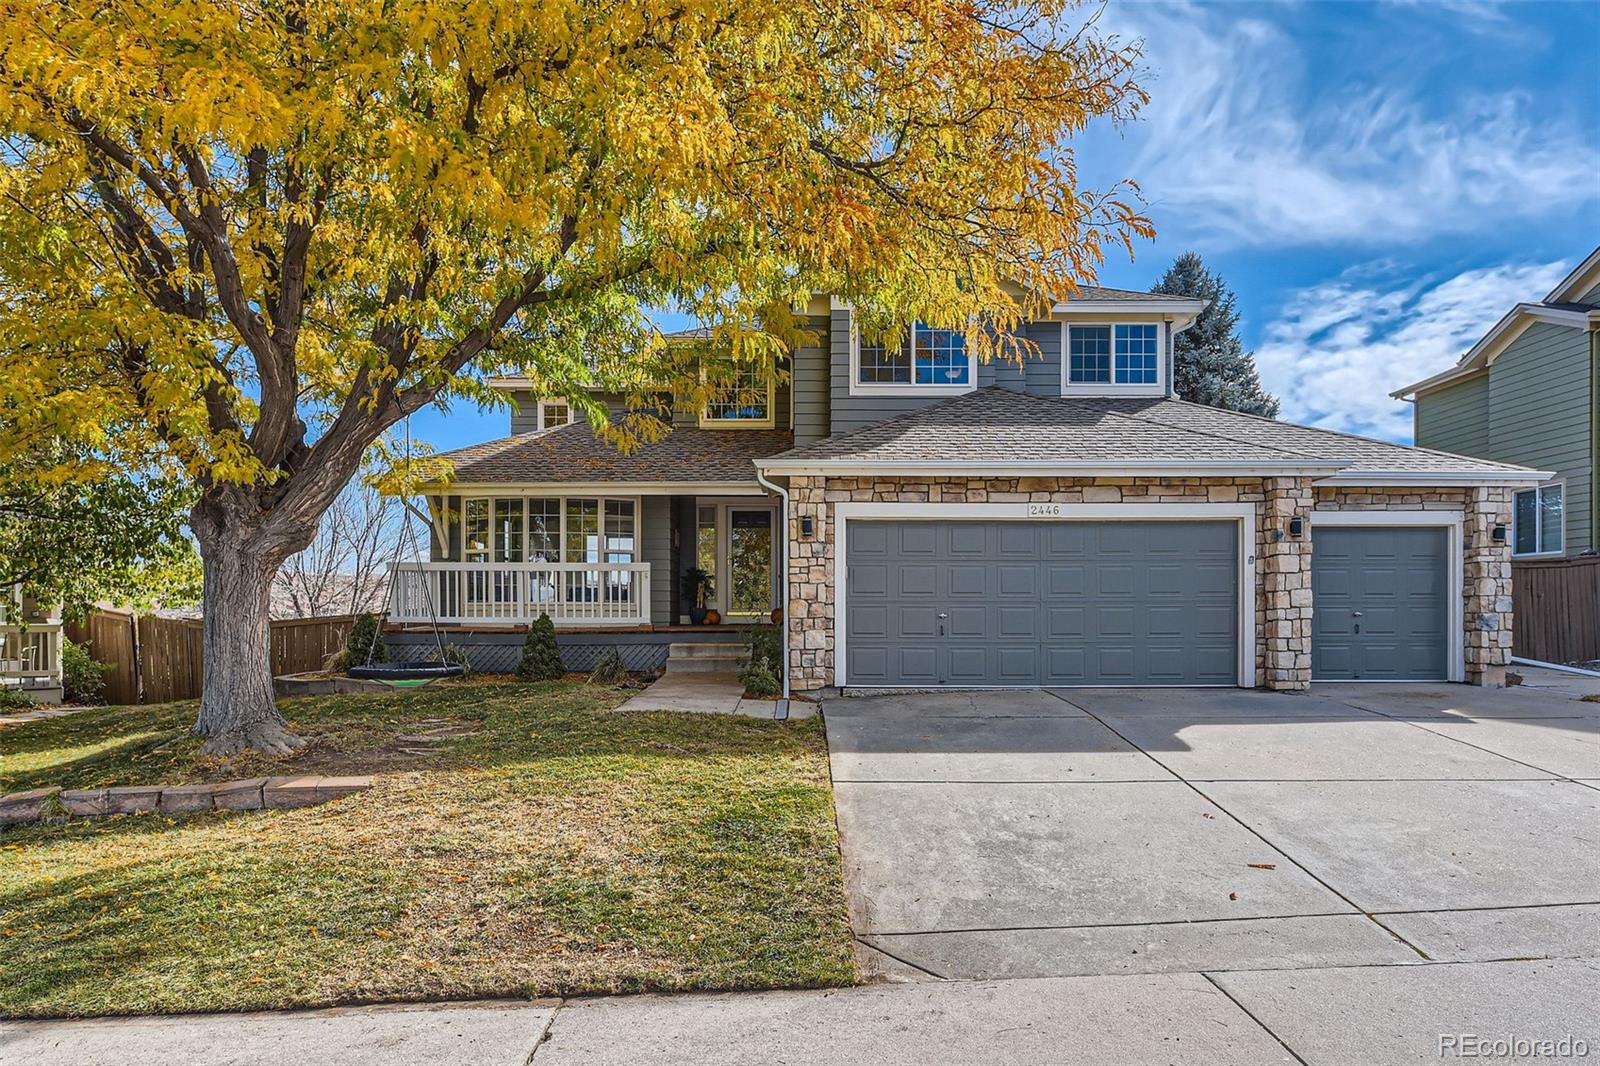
(1056,467)
(782,709)
(1360,478)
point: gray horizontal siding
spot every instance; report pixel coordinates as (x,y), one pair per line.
(655,548)
(1455,418)
(810,383)
(1539,414)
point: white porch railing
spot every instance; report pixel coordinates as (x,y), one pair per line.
(30,658)
(463,593)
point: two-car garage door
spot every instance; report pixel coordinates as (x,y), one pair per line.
(1042,603)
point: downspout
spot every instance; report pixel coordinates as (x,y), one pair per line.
(1172,389)
(1594,439)
(781,711)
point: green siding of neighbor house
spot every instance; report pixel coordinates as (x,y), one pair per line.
(1455,418)
(1537,410)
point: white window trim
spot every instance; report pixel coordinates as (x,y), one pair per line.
(1111,388)
(722,574)
(1556,553)
(1452,520)
(542,424)
(1242,513)
(488,552)
(745,423)
(910,388)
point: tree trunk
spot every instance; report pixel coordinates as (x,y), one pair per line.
(237,708)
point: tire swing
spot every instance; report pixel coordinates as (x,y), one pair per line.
(417,673)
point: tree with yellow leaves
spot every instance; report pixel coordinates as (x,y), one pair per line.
(241,240)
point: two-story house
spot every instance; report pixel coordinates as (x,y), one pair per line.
(917,518)
(1525,393)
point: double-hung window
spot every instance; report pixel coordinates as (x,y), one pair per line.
(1537,526)
(1126,354)
(930,359)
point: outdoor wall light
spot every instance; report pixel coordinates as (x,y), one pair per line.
(1499,534)
(1297,527)
(806,526)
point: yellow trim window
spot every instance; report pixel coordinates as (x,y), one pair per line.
(745,402)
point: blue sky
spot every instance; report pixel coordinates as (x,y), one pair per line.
(1378,182)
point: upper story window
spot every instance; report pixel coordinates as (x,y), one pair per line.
(1537,521)
(1124,357)
(934,359)
(553,413)
(744,402)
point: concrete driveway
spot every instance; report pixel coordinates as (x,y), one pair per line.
(1354,835)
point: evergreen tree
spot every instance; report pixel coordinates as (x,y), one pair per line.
(541,658)
(1210,364)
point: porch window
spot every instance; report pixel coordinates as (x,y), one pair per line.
(544,530)
(745,400)
(1537,521)
(475,531)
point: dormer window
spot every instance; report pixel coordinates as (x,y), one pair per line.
(1117,358)
(553,413)
(745,402)
(932,361)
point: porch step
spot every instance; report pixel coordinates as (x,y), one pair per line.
(704,658)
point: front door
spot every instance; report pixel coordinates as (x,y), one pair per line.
(749,570)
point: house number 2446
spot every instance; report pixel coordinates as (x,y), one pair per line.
(1044,510)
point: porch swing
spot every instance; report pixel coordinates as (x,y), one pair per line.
(411,674)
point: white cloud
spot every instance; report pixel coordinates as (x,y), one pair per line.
(1235,148)
(1338,348)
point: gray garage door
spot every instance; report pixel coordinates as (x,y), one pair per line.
(1041,603)
(1381,603)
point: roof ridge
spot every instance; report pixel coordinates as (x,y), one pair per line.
(1340,433)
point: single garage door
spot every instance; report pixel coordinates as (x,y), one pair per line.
(1041,603)
(1381,603)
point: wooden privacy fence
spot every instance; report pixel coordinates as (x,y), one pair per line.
(155,660)
(1557,604)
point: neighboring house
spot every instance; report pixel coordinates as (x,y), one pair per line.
(929,521)
(1525,393)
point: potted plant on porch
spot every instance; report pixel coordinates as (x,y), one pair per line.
(696,587)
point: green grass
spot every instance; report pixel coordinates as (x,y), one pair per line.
(562,849)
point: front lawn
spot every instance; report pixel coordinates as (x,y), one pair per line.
(561,848)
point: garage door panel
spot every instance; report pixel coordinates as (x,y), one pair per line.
(869,580)
(869,623)
(967,622)
(919,538)
(1381,596)
(917,580)
(869,664)
(969,580)
(1062,602)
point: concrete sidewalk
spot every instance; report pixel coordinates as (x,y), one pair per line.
(1332,1015)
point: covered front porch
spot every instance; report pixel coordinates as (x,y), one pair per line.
(30,648)
(594,561)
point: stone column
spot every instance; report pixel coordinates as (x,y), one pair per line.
(809,597)
(1486,572)
(1283,569)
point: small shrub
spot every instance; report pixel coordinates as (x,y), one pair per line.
(365,637)
(609,670)
(758,679)
(541,658)
(83,678)
(766,646)
(455,653)
(12,699)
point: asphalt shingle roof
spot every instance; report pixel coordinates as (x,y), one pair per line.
(1000,425)
(572,453)
(1095,292)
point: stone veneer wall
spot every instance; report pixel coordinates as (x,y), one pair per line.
(1486,563)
